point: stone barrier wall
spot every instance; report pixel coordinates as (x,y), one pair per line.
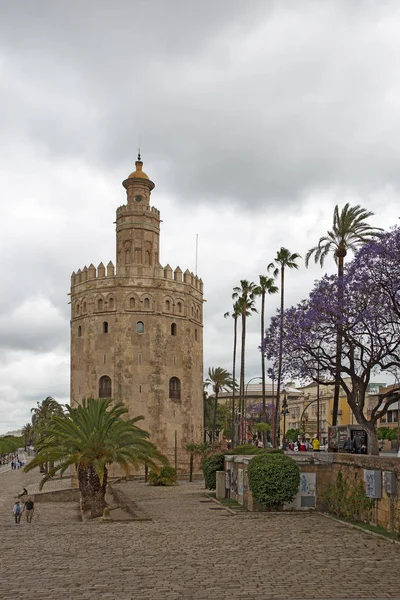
(319,470)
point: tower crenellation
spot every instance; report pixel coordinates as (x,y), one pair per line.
(137,328)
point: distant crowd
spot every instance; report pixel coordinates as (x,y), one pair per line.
(14,460)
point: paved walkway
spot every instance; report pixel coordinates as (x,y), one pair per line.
(191,550)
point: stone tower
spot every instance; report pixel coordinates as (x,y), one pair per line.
(137,329)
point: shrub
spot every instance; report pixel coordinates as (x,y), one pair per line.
(164,476)
(246,449)
(274,478)
(211,465)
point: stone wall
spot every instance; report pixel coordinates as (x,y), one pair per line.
(326,467)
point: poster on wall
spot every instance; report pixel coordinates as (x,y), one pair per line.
(240,482)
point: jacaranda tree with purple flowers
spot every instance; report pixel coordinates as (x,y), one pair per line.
(368,317)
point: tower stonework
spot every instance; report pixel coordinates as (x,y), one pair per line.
(137,330)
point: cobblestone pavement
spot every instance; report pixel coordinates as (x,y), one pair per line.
(191,550)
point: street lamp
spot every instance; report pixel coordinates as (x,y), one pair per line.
(284,412)
(245,408)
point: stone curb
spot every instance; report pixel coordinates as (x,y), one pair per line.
(232,512)
(354,526)
(129,505)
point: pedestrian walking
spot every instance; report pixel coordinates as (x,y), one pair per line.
(315,444)
(29,508)
(17,510)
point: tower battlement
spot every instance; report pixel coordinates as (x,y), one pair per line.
(91,273)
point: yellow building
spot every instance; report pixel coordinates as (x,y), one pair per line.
(302,411)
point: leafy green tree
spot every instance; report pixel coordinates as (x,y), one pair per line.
(90,437)
(284,260)
(235,314)
(220,380)
(244,295)
(266,286)
(292,434)
(349,231)
(382,433)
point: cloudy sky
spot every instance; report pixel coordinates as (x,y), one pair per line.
(255,119)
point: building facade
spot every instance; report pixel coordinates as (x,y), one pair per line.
(137,329)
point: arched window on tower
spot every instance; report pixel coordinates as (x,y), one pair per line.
(195,334)
(79,331)
(111,304)
(146,303)
(105,387)
(84,307)
(179,307)
(105,327)
(132,302)
(140,327)
(174,388)
(99,304)
(167,305)
(78,309)
(173,329)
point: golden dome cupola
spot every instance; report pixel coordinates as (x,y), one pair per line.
(138,173)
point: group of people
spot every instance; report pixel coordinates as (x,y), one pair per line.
(354,446)
(16,462)
(26,507)
(303,445)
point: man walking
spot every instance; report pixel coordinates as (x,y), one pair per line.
(29,508)
(17,510)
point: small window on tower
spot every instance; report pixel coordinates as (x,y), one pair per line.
(78,309)
(195,334)
(84,307)
(105,387)
(140,327)
(111,303)
(174,388)
(173,329)
(146,303)
(99,304)
(179,307)
(79,331)
(105,327)
(132,302)
(168,305)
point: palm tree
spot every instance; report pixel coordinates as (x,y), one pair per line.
(220,380)
(245,298)
(265,286)
(92,436)
(235,314)
(349,231)
(42,415)
(283,260)
(27,433)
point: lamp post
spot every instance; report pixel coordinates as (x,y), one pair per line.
(245,408)
(284,412)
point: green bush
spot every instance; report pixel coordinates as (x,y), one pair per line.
(164,476)
(274,478)
(246,449)
(211,465)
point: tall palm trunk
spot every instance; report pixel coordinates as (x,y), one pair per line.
(264,406)
(339,338)
(242,366)
(278,384)
(215,413)
(233,376)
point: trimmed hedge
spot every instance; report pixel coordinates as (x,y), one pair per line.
(211,465)
(273,479)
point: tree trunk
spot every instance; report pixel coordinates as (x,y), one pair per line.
(215,413)
(278,384)
(242,363)
(264,407)
(234,382)
(92,490)
(191,467)
(339,341)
